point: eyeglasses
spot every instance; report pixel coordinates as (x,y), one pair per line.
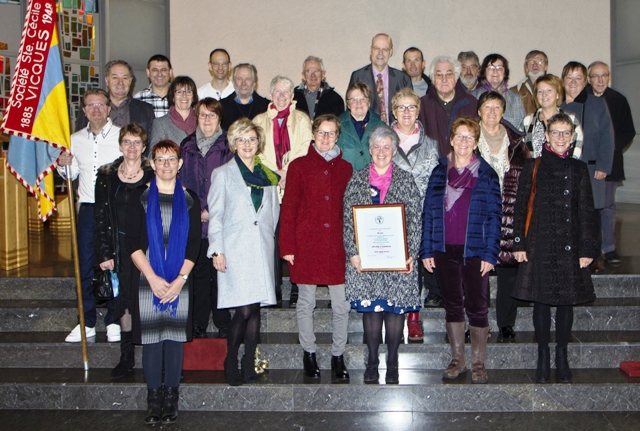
(467,138)
(385,148)
(471,67)
(95,105)
(322,134)
(410,108)
(181,92)
(209,116)
(173,160)
(312,71)
(440,75)
(599,77)
(564,133)
(128,142)
(493,68)
(358,100)
(532,62)
(247,142)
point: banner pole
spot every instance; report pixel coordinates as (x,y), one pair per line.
(76,269)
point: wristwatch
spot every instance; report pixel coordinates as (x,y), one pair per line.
(185,277)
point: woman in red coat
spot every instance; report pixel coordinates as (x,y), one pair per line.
(311,238)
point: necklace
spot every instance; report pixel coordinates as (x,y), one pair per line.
(129,177)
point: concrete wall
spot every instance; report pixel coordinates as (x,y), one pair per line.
(277,35)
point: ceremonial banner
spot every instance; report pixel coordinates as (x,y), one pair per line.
(37,116)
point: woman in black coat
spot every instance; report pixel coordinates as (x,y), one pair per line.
(557,246)
(114,183)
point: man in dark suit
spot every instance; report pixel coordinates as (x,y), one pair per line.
(245,102)
(119,78)
(383,80)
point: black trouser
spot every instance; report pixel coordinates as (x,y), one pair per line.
(205,292)
(597,225)
(506,306)
(431,282)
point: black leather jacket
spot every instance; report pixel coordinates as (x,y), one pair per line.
(105,234)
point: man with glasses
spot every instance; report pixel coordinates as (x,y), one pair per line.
(244,102)
(219,67)
(160,74)
(91,147)
(597,147)
(623,132)
(384,81)
(536,64)
(119,78)
(314,96)
(469,70)
(446,100)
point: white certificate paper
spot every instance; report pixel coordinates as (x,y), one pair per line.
(381,237)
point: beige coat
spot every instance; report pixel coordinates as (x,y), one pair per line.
(300,137)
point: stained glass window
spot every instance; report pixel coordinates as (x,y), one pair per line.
(5,81)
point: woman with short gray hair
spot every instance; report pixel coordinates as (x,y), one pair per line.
(382,296)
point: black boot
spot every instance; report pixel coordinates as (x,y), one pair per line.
(248,368)
(293,299)
(338,369)
(170,409)
(127,357)
(392,376)
(231,373)
(562,365)
(371,373)
(311,368)
(543,372)
(155,402)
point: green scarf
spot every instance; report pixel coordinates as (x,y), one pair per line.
(257,180)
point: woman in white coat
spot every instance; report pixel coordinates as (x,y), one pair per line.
(243,214)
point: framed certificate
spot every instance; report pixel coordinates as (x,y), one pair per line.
(381,237)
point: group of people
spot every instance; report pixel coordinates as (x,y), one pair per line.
(195,197)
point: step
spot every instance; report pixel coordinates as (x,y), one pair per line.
(282,351)
(606,286)
(288,391)
(604,314)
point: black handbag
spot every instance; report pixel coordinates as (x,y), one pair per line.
(101,284)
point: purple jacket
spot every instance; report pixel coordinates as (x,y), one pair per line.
(196,168)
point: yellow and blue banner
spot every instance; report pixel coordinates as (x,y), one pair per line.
(37,115)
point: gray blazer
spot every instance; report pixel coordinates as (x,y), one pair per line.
(397,80)
(244,236)
(163,128)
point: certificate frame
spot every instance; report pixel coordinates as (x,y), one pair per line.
(381,237)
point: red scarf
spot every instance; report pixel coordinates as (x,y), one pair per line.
(562,156)
(189,125)
(281,135)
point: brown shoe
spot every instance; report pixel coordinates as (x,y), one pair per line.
(478,354)
(455,331)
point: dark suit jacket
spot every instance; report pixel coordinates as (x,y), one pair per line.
(140,113)
(397,80)
(231,111)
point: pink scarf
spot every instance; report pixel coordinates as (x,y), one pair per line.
(281,135)
(380,181)
(189,125)
(459,181)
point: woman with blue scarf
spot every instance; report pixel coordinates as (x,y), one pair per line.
(163,237)
(243,214)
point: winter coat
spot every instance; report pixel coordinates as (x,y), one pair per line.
(105,233)
(560,233)
(163,128)
(399,289)
(434,118)
(623,129)
(517,154)
(196,170)
(484,217)
(330,102)
(420,161)
(311,219)
(354,149)
(597,149)
(245,236)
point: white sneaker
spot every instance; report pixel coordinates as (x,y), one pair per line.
(113,333)
(75,336)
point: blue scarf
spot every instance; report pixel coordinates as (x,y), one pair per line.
(167,263)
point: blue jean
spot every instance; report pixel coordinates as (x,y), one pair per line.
(86,252)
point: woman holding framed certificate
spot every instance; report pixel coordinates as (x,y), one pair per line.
(462,217)
(381,278)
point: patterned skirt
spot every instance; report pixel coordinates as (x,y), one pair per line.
(161,325)
(380,305)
